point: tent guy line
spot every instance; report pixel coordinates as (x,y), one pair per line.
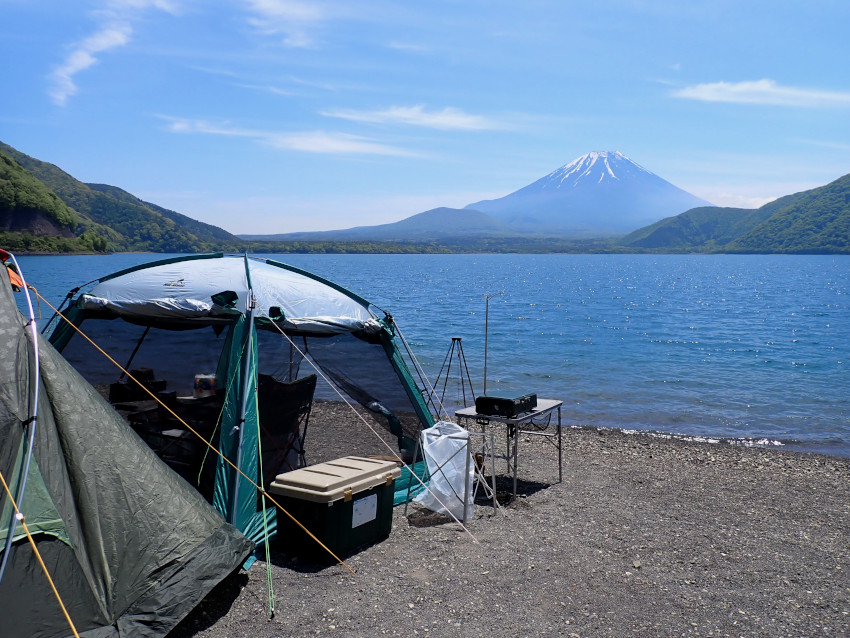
(229,462)
(31,422)
(20,518)
(368,425)
(193,431)
(78,527)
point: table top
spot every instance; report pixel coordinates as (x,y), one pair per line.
(543,406)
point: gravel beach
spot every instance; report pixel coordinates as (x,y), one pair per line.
(644,536)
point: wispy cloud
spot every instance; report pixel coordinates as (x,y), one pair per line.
(114,29)
(274,90)
(84,56)
(448,119)
(763,92)
(293,19)
(838,146)
(408,46)
(304,141)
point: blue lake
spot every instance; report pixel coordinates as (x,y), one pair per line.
(740,348)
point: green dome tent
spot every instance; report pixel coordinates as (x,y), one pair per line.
(236,321)
(130,546)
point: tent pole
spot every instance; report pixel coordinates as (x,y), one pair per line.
(31,423)
(243,408)
(246,387)
(135,351)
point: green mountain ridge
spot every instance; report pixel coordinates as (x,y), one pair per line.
(111,219)
(23,197)
(44,209)
(813,221)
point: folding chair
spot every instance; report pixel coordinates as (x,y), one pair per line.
(284,414)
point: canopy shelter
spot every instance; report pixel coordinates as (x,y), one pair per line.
(232,323)
(130,547)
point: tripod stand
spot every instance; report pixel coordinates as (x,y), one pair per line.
(456,350)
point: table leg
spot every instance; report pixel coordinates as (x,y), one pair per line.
(466,485)
(516,454)
(560,450)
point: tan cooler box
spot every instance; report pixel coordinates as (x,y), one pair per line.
(346,503)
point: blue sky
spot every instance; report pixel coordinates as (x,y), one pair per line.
(265,116)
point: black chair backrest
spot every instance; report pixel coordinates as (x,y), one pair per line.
(281,405)
(284,411)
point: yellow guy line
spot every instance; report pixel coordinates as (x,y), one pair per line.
(207,443)
(21,520)
(368,425)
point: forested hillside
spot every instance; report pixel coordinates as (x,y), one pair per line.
(109,218)
(813,221)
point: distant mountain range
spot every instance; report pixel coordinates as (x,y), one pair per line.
(588,205)
(435,224)
(601,194)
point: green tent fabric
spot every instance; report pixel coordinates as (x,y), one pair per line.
(235,315)
(131,547)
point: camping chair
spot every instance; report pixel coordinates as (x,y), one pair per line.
(284,412)
(169,437)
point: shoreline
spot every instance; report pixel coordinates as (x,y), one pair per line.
(762,443)
(644,536)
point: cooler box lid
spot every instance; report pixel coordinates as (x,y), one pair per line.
(330,481)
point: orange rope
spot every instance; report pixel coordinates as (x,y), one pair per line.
(20,518)
(207,443)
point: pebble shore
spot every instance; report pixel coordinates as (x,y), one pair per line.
(643,537)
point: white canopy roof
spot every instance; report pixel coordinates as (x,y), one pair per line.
(183,290)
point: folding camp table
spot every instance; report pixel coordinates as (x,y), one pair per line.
(534,423)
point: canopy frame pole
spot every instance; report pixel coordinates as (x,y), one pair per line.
(135,351)
(31,422)
(246,388)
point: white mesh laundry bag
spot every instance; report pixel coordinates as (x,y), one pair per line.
(446,450)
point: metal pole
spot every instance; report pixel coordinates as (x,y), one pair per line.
(245,365)
(30,424)
(486,331)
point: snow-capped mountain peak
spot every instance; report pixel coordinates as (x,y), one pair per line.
(596,166)
(602,192)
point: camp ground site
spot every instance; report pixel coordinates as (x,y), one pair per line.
(155,431)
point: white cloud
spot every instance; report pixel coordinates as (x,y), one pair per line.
(162,5)
(754,192)
(305,141)
(736,200)
(763,92)
(84,56)
(448,119)
(408,47)
(332,143)
(838,146)
(274,90)
(290,18)
(114,30)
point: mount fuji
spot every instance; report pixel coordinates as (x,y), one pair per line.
(600,193)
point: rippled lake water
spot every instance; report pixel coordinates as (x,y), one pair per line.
(743,348)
